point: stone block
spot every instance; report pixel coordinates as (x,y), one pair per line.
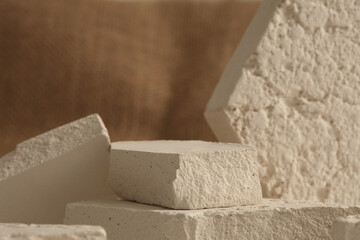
(44,173)
(50,232)
(292,89)
(185,174)
(271,219)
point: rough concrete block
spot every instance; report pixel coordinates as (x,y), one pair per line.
(50,232)
(185,174)
(292,89)
(347,228)
(271,219)
(44,173)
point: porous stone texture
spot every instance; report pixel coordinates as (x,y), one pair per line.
(292,89)
(271,219)
(44,173)
(185,174)
(347,228)
(14,231)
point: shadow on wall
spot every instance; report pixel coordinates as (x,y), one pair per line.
(148,68)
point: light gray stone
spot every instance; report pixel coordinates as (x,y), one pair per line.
(292,89)
(50,232)
(271,220)
(185,174)
(44,173)
(347,228)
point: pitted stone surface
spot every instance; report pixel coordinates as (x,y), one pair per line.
(48,171)
(12,231)
(185,174)
(271,219)
(292,89)
(347,228)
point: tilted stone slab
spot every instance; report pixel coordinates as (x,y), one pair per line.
(347,228)
(271,219)
(185,174)
(292,89)
(50,232)
(44,173)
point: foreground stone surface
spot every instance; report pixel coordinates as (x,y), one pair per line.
(347,228)
(185,174)
(271,219)
(292,89)
(50,232)
(46,172)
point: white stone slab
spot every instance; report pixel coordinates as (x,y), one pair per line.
(185,174)
(271,219)
(292,89)
(12,231)
(347,228)
(44,173)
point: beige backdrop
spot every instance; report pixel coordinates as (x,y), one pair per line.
(148,68)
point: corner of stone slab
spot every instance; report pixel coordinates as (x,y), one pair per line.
(220,124)
(104,130)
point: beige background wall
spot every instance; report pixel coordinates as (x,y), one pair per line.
(148,68)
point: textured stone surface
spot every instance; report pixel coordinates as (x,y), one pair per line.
(292,89)
(271,219)
(63,165)
(185,174)
(347,228)
(50,232)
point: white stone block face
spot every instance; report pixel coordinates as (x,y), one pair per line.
(185,174)
(12,231)
(347,228)
(271,219)
(292,89)
(44,173)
